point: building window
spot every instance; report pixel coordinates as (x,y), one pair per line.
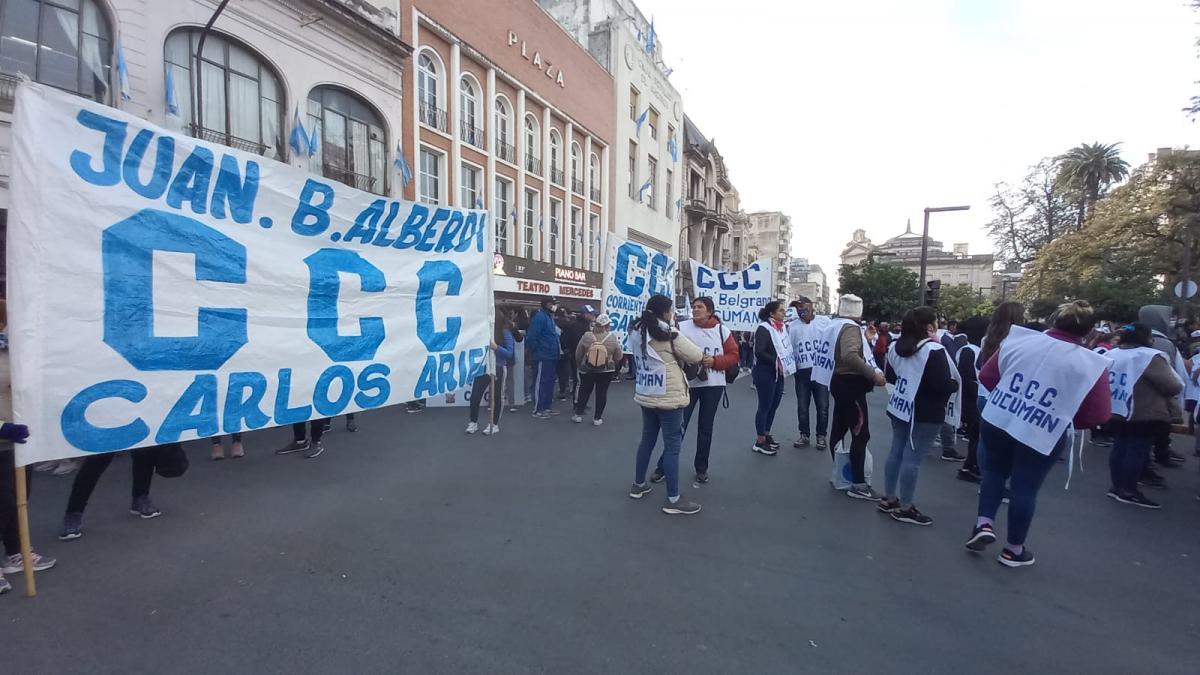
(593,240)
(504,131)
(468,104)
(429,88)
(633,103)
(670,204)
(576,169)
(576,235)
(556,173)
(469,190)
(430,188)
(653,122)
(533,146)
(594,174)
(555,223)
(62,43)
(531,222)
(241,97)
(652,179)
(353,147)
(502,214)
(633,166)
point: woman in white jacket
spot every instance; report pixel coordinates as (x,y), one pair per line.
(659,352)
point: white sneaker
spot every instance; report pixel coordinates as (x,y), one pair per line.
(576,418)
(472,428)
(598,422)
(491,429)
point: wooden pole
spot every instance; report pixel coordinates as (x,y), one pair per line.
(23,527)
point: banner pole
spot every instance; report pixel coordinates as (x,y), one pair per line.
(23,528)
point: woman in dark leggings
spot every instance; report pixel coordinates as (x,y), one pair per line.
(94,466)
(768,374)
(504,345)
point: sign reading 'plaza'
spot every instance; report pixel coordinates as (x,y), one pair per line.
(553,72)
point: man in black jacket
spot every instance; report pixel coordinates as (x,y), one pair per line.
(572,333)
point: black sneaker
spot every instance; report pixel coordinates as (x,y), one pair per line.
(700,479)
(801,442)
(1151,479)
(763,448)
(680,507)
(981,537)
(412,407)
(143,508)
(912,515)
(863,492)
(968,476)
(1137,499)
(639,490)
(351,425)
(1113,493)
(951,455)
(315,451)
(657,476)
(294,446)
(822,443)
(889,505)
(1010,559)
(328,425)
(772,442)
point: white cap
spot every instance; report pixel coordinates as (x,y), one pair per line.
(850,307)
(790,314)
(1196,333)
(603,320)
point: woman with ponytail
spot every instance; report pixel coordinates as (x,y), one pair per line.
(659,353)
(772,355)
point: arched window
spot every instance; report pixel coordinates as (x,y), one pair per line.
(429,90)
(576,169)
(533,146)
(556,173)
(468,108)
(240,102)
(353,147)
(594,173)
(504,131)
(62,43)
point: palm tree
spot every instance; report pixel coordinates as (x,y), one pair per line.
(1088,169)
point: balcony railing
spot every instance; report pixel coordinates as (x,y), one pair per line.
(533,164)
(576,186)
(595,195)
(8,91)
(214,136)
(470,134)
(506,152)
(433,116)
(356,180)
(557,176)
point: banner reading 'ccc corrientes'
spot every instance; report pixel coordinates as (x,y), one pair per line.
(634,273)
(162,288)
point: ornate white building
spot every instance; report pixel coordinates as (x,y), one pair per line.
(952,268)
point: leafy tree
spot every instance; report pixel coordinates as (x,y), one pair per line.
(888,291)
(1132,248)
(1088,169)
(958,301)
(1029,216)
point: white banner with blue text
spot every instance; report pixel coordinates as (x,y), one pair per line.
(162,288)
(633,273)
(737,296)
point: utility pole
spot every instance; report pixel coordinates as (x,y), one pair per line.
(925,236)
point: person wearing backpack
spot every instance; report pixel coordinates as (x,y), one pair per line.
(596,355)
(708,388)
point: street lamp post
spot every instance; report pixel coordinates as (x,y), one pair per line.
(925,236)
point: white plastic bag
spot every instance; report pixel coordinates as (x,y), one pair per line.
(842,478)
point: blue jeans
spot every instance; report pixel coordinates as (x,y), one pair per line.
(543,389)
(806,391)
(709,399)
(670,422)
(769,385)
(1003,458)
(910,441)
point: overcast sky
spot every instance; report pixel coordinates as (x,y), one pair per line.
(860,114)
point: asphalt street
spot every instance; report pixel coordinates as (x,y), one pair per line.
(410,547)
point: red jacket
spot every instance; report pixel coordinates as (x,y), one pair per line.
(1097,405)
(730,358)
(881,342)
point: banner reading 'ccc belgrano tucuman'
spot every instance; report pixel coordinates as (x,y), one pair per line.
(162,288)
